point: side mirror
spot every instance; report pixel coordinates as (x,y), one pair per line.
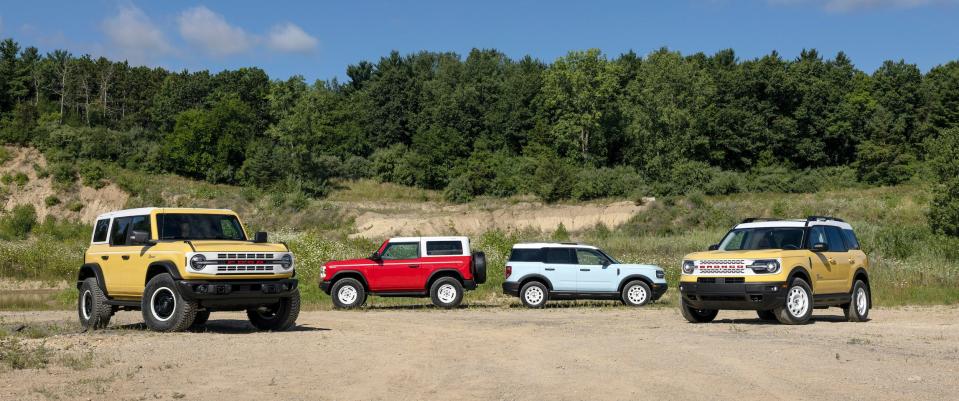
(820,247)
(713,247)
(140,237)
(260,237)
(606,263)
(375,256)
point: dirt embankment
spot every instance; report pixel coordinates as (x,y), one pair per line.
(379,220)
(560,353)
(36,191)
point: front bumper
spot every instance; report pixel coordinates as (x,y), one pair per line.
(237,293)
(741,296)
(658,290)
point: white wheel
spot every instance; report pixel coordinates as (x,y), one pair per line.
(446,293)
(163,304)
(533,295)
(635,293)
(347,294)
(86,304)
(862,304)
(797,302)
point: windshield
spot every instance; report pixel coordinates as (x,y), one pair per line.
(746,239)
(183,226)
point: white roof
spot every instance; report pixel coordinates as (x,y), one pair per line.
(418,239)
(794,223)
(142,211)
(537,245)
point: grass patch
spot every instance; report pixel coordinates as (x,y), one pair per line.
(17,354)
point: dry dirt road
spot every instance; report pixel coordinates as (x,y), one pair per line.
(562,353)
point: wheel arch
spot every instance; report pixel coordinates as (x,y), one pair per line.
(161,267)
(862,274)
(535,277)
(355,274)
(803,273)
(634,277)
(89,270)
(445,272)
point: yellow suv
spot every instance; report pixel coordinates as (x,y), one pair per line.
(783,269)
(177,265)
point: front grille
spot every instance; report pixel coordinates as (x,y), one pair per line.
(731,266)
(734,280)
(244,256)
(727,280)
(244,268)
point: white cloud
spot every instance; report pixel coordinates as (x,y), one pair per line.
(842,6)
(134,36)
(210,31)
(288,37)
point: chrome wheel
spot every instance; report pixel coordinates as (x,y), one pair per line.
(86,304)
(533,295)
(446,293)
(797,302)
(862,303)
(347,295)
(163,304)
(636,294)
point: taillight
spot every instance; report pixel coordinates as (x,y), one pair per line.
(509,270)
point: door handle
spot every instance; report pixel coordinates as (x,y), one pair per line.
(125,257)
(584,270)
(852,261)
(104,257)
(549,269)
(414,266)
(833,261)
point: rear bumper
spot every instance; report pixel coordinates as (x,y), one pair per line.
(237,293)
(741,296)
(511,288)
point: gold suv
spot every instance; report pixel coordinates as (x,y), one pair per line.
(783,269)
(178,265)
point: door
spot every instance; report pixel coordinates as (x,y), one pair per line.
(561,268)
(114,259)
(127,260)
(828,266)
(398,268)
(135,272)
(595,273)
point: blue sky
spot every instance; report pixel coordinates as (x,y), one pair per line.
(319,39)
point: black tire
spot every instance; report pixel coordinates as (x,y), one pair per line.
(857,310)
(446,292)
(694,315)
(767,315)
(163,308)
(792,311)
(279,317)
(479,267)
(534,295)
(200,319)
(92,308)
(353,294)
(636,293)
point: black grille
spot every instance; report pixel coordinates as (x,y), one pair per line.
(734,280)
(727,280)
(706,280)
(244,256)
(250,268)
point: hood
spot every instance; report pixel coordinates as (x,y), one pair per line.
(756,254)
(236,246)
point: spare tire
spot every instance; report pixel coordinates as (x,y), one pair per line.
(479,267)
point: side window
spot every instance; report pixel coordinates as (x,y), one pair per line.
(817,235)
(851,241)
(401,250)
(564,256)
(589,257)
(118,236)
(100,231)
(141,223)
(526,255)
(834,236)
(438,248)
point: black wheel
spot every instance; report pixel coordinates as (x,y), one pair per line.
(479,267)
(694,315)
(200,319)
(636,293)
(348,293)
(798,306)
(766,315)
(279,317)
(446,292)
(163,308)
(92,306)
(857,310)
(534,294)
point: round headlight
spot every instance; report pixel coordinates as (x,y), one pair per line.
(196,262)
(286,261)
(688,267)
(765,266)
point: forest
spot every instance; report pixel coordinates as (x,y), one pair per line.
(581,127)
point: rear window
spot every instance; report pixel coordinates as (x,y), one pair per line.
(100,231)
(526,255)
(851,241)
(438,248)
(561,256)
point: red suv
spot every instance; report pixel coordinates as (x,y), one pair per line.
(438,267)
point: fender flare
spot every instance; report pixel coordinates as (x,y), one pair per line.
(538,277)
(88,270)
(862,271)
(801,270)
(341,273)
(633,277)
(162,266)
(443,272)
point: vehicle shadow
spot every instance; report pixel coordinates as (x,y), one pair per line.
(760,322)
(222,326)
(425,306)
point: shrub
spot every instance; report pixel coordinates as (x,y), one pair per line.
(944,208)
(75,206)
(554,176)
(63,173)
(594,183)
(19,179)
(687,176)
(460,189)
(18,223)
(356,167)
(92,175)
(51,200)
(5,155)
(725,183)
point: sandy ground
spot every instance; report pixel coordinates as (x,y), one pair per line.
(562,353)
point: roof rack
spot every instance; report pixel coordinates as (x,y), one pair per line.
(755,219)
(824,218)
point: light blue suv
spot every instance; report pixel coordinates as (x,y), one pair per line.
(537,272)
